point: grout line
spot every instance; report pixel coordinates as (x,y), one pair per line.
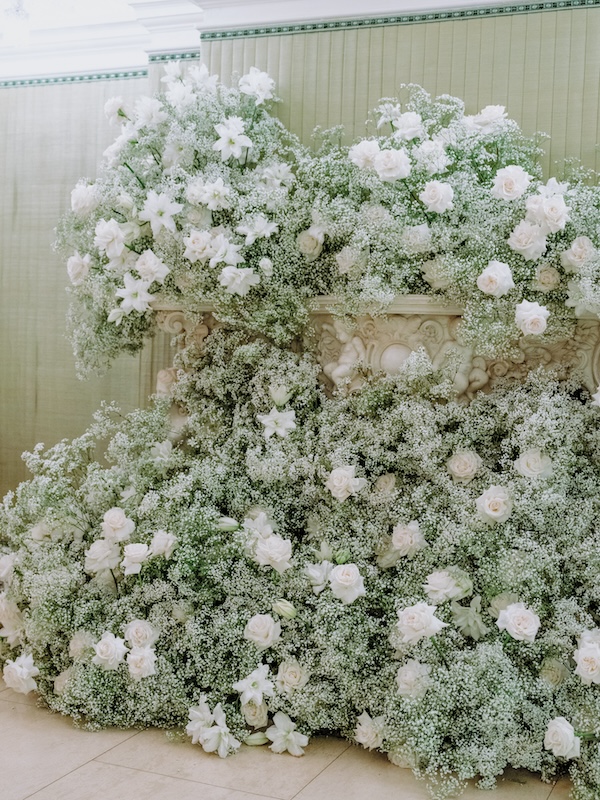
(190,780)
(79,766)
(314,778)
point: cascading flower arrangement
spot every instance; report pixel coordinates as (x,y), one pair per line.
(414,573)
(196,203)
(205,199)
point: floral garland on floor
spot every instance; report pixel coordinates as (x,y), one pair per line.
(416,574)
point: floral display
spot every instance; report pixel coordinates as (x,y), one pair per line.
(386,562)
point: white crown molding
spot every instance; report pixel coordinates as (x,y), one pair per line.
(147,28)
(159,26)
(236,14)
(172,25)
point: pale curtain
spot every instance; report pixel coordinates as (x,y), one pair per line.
(50,136)
(545,67)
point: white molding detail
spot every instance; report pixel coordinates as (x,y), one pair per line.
(234,14)
(173,25)
(152,27)
(381,344)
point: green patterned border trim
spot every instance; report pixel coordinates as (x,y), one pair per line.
(174,56)
(100,76)
(401,19)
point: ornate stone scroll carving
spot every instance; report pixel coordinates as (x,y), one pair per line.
(370,345)
(348,353)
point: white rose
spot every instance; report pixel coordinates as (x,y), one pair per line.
(19,674)
(547,278)
(363,154)
(163,544)
(141,662)
(150,267)
(587,658)
(528,240)
(448,584)
(346,259)
(12,625)
(78,268)
(468,619)
(7,564)
(407,539)
(369,731)
(110,651)
(275,552)
(408,126)
(290,676)
(61,680)
(102,554)
(494,505)
(161,452)
(489,118)
(433,273)
(502,601)
(417,238)
(263,630)
(257,716)
(84,199)
(496,279)
(140,633)
(560,739)
(550,213)
(342,483)
(553,671)
(258,85)
(238,281)
(437,196)
(310,242)
(519,622)
(533,464)
(392,165)
(109,238)
(431,156)
(463,466)
(581,251)
(413,679)
(40,532)
(588,636)
(531,318)
(318,575)
(81,643)
(385,484)
(418,622)
(346,583)
(135,555)
(117,527)
(510,183)
(266,267)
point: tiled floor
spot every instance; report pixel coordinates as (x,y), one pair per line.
(44,757)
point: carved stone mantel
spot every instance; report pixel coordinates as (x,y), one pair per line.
(375,344)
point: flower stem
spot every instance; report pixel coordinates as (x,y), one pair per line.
(137,177)
(440,650)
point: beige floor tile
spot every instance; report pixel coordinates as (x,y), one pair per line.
(38,747)
(358,773)
(252,769)
(96,781)
(562,790)
(10,696)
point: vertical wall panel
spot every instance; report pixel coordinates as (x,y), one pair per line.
(544,67)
